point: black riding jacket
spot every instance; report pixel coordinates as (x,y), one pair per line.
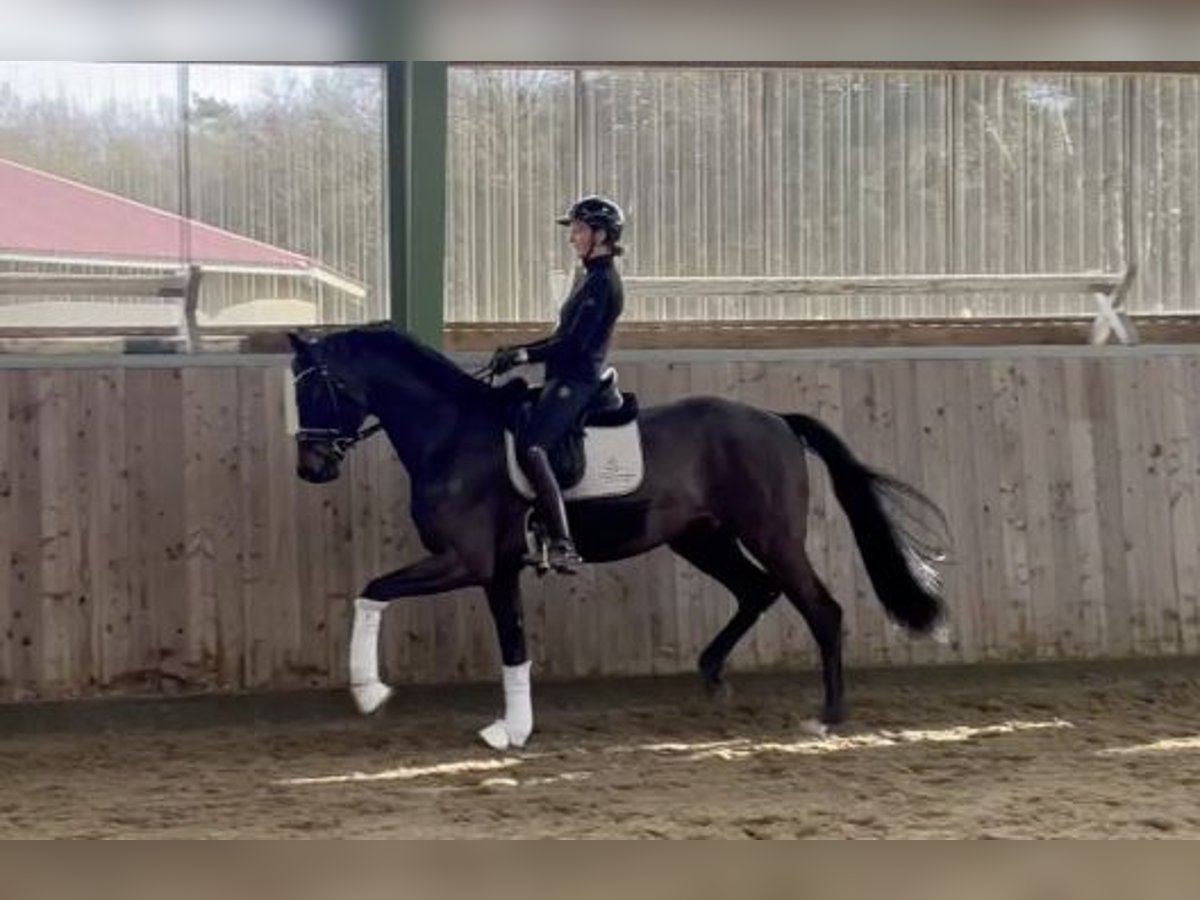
(577,348)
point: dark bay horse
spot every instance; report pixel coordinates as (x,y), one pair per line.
(725,486)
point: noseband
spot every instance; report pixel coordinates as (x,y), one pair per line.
(339,441)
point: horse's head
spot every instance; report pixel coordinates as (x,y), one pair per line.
(330,411)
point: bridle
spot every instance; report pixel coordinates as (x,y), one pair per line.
(339,441)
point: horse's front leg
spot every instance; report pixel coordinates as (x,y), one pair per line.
(504,600)
(431,575)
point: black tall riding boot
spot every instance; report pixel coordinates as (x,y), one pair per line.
(563,556)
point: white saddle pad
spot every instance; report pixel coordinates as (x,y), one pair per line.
(614,464)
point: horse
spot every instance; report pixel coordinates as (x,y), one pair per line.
(724,485)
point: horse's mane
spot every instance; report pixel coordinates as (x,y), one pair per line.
(386,340)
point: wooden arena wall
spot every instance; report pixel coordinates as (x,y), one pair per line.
(159,541)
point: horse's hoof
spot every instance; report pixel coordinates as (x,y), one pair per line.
(498,737)
(718,690)
(369,697)
(495,735)
(831,718)
(814,728)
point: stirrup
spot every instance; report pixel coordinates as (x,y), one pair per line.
(539,559)
(563,557)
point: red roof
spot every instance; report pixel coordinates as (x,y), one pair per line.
(45,216)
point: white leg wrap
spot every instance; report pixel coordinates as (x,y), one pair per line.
(369,692)
(514,729)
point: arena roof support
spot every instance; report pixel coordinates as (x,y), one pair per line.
(416,209)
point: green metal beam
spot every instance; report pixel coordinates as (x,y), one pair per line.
(416,217)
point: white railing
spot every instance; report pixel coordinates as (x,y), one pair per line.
(1107,288)
(183,284)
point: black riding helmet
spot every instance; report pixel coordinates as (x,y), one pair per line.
(596,212)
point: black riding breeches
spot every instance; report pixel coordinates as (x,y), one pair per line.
(557,411)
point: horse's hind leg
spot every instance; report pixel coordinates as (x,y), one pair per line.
(716,552)
(806,592)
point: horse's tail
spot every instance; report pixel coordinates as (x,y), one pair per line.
(897,543)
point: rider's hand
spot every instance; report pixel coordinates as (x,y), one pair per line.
(508,358)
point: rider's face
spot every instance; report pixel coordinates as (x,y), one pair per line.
(583,239)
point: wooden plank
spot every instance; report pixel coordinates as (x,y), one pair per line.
(1084,505)
(931,437)
(1134,447)
(86,441)
(25,573)
(164,547)
(1101,387)
(282,578)
(792,333)
(1160,599)
(199,547)
(109,532)
(1110,515)
(210,521)
(220,462)
(637,286)
(1059,605)
(58,633)
(450,612)
(479,651)
(1045,593)
(583,654)
(609,593)
(258,603)
(965,589)
(342,585)
(314,535)
(9,523)
(140,435)
(987,509)
(1180,465)
(1019,640)
(1186,527)
(548,630)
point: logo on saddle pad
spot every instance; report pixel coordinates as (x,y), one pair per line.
(613,463)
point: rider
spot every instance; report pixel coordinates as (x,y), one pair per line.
(574,357)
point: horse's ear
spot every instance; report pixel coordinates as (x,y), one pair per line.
(301,345)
